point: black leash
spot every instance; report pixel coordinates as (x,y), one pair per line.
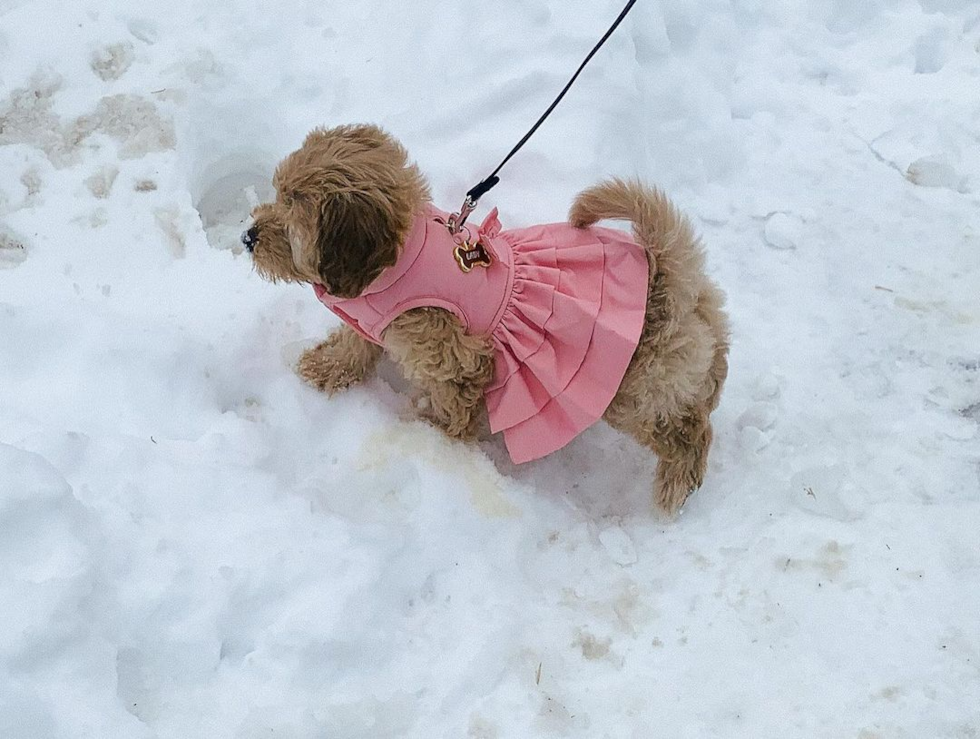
(457,220)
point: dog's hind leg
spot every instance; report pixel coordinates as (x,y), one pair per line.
(682,448)
(710,309)
(681,444)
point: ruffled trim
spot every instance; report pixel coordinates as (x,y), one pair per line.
(587,395)
(545,333)
(567,336)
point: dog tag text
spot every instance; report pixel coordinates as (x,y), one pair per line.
(470,255)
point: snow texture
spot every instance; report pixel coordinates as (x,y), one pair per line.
(194,544)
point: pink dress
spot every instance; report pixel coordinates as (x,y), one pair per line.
(563,306)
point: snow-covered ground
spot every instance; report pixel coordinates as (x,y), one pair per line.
(194,544)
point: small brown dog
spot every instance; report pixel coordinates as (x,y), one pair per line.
(346,202)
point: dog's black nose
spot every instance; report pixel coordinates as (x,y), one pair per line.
(249,238)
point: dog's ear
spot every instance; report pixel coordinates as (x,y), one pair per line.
(352,196)
(358,236)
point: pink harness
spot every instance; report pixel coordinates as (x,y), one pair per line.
(563,306)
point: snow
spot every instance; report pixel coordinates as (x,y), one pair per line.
(194,544)
(783,231)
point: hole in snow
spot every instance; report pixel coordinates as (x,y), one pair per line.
(223,194)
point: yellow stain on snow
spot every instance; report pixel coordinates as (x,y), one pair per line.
(939,306)
(487,496)
(484,483)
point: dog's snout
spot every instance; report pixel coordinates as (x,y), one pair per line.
(249,238)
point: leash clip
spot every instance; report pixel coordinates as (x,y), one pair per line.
(470,251)
(456,221)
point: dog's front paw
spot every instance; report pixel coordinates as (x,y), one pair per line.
(339,362)
(327,369)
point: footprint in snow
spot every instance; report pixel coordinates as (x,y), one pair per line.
(143,30)
(783,231)
(12,249)
(27,117)
(101,181)
(935,171)
(822,490)
(930,51)
(619,546)
(111,62)
(756,421)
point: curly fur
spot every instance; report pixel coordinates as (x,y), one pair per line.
(675,377)
(345,202)
(449,367)
(344,359)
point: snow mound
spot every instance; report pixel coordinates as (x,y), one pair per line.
(195,544)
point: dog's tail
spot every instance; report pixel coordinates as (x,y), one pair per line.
(674,252)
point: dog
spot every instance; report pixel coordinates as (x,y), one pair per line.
(637,333)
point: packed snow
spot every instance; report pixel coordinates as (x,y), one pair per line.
(195,544)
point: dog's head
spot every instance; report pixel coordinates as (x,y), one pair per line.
(345,202)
